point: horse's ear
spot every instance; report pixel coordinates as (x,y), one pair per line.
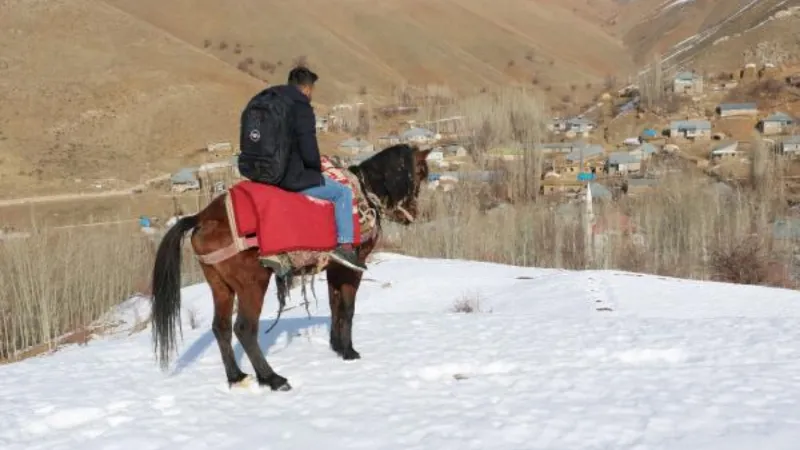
(422,155)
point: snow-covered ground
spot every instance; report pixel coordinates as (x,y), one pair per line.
(557,360)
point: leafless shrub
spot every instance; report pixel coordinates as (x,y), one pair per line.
(207,43)
(300,61)
(222,45)
(742,262)
(268,67)
(530,55)
(467,303)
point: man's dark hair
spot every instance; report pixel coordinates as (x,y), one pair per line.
(302,76)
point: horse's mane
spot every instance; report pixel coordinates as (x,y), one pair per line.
(389,174)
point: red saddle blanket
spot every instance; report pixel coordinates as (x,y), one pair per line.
(284,221)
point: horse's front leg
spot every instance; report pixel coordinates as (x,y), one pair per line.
(342,287)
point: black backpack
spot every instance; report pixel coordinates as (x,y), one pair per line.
(265,137)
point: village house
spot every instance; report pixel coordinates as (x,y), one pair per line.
(690,129)
(648,134)
(457,151)
(389,140)
(688,83)
(737,109)
(355,145)
(322,125)
(777,123)
(184,180)
(418,135)
(582,157)
(220,147)
(580,125)
(791,145)
(728,149)
(622,163)
(556,186)
(436,156)
(557,125)
(561,148)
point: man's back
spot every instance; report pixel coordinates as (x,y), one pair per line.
(303,168)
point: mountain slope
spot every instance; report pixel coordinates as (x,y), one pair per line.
(680,28)
(90,92)
(557,359)
(357,43)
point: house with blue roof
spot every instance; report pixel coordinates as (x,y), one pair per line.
(737,109)
(687,83)
(690,129)
(777,123)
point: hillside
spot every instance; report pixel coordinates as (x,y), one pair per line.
(553,359)
(678,29)
(92,94)
(357,43)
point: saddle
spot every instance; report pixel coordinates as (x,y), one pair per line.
(293,232)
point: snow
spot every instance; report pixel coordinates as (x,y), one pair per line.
(556,360)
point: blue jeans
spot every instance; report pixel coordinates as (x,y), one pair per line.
(342,198)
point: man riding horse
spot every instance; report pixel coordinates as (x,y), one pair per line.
(303,171)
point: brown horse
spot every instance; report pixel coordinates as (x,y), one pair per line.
(393,177)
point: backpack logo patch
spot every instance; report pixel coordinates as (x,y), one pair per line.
(255,135)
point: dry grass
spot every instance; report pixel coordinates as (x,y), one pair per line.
(57,284)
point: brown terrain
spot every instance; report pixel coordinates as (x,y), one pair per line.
(101,95)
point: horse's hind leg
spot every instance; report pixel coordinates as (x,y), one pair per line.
(223,331)
(342,287)
(251,300)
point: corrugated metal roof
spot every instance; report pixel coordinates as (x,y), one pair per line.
(736,106)
(779,117)
(416,132)
(354,143)
(686,76)
(587,152)
(792,140)
(694,124)
(623,158)
(185,175)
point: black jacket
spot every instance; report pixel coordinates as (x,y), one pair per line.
(304,169)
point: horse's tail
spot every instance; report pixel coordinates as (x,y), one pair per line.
(166,303)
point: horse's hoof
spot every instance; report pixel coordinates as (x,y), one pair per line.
(276,383)
(350,354)
(284,387)
(245,382)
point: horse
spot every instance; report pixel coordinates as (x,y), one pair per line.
(391,179)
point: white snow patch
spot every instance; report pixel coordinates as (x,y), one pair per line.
(667,364)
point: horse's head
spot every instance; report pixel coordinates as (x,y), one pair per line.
(395,175)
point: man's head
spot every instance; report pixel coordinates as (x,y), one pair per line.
(303,78)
